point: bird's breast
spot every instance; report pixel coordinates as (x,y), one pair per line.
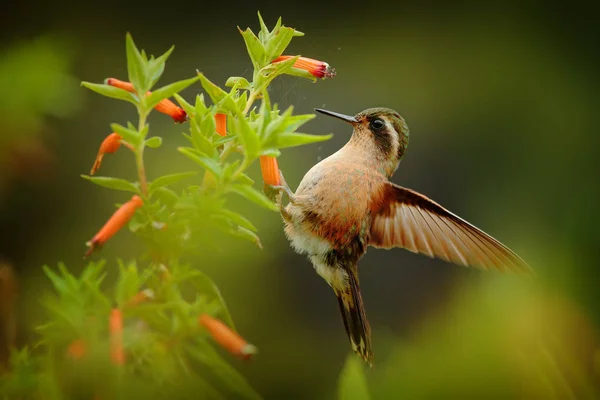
(331,208)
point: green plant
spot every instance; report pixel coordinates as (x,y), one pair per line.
(141,336)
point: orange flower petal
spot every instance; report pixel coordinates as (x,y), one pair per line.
(269,170)
(319,69)
(165,106)
(221,121)
(119,219)
(109,145)
(227,338)
(117,355)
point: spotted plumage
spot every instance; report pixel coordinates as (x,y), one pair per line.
(346,203)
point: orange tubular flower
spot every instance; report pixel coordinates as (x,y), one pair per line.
(166,106)
(109,145)
(227,338)
(221,121)
(117,355)
(115,222)
(316,68)
(77,349)
(269,170)
(144,295)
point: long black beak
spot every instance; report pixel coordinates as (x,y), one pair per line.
(343,117)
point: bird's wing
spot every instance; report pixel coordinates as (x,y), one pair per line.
(405,218)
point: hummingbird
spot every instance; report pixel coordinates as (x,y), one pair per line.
(346,203)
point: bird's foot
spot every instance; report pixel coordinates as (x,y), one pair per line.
(275,193)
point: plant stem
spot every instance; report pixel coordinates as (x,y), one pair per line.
(139,156)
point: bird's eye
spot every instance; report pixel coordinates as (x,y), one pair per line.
(377,124)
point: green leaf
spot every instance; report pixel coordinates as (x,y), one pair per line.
(253,195)
(128,284)
(215,92)
(154,142)
(167,91)
(244,233)
(247,136)
(301,73)
(255,48)
(136,66)
(297,139)
(189,109)
(237,219)
(245,180)
(206,286)
(201,159)
(167,180)
(113,183)
(233,380)
(166,196)
(264,31)
(58,283)
(279,42)
(156,67)
(352,384)
(131,136)
(238,82)
(111,91)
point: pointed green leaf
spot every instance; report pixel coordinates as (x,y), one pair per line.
(244,233)
(247,136)
(57,281)
(207,355)
(136,66)
(253,195)
(154,142)
(131,136)
(255,48)
(237,219)
(297,139)
(352,383)
(111,91)
(206,286)
(245,180)
(156,67)
(279,42)
(113,183)
(239,82)
(201,159)
(215,93)
(189,109)
(167,91)
(301,73)
(166,196)
(167,180)
(263,27)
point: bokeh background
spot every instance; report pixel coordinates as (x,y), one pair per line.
(502,103)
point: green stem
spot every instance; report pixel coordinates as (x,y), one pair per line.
(139,156)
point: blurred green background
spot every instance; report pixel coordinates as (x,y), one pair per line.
(502,105)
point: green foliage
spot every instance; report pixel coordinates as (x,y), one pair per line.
(352,384)
(160,297)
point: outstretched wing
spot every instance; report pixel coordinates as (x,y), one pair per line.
(410,220)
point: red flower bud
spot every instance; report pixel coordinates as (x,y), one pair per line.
(319,69)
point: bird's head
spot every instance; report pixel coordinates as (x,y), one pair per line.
(382,132)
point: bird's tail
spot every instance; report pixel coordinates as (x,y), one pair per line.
(355,318)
